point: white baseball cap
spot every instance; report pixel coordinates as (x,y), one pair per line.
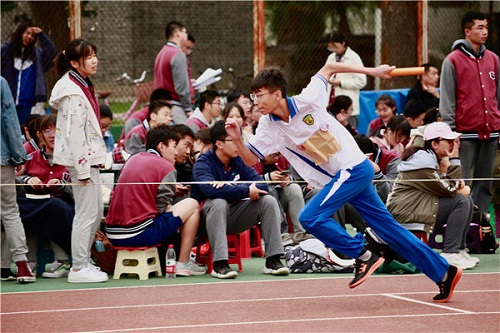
(439,130)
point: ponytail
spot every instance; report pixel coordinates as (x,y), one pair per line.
(60,64)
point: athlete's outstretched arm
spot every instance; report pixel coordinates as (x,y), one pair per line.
(329,69)
(234,131)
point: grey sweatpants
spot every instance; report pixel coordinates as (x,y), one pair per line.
(222,218)
(89,209)
(292,200)
(11,220)
(456,212)
(477,158)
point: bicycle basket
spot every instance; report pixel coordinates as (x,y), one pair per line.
(143,90)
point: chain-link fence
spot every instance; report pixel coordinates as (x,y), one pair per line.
(129,34)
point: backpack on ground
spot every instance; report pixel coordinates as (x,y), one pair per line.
(312,256)
(488,241)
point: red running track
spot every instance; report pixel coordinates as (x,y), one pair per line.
(323,304)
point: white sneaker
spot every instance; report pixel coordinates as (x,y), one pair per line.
(456,259)
(56,270)
(465,254)
(189,268)
(88,274)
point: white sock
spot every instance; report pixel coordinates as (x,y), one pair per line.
(366,255)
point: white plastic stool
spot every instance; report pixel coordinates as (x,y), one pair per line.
(137,260)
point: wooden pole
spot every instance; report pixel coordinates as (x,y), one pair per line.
(75,19)
(259,41)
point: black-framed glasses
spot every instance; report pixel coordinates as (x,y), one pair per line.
(256,97)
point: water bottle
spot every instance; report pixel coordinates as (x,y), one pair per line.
(99,246)
(170,262)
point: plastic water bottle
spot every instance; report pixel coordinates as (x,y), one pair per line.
(170,262)
(99,246)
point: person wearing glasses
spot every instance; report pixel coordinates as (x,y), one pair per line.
(209,108)
(106,119)
(234,198)
(325,154)
(172,71)
(49,218)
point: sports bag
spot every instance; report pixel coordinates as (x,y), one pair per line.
(107,258)
(312,256)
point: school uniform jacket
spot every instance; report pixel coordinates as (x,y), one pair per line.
(208,168)
(139,196)
(78,141)
(470,91)
(413,201)
(135,140)
(40,167)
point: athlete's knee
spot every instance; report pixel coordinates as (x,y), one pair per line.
(307,218)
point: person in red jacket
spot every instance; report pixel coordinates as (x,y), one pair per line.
(142,213)
(49,218)
(470,92)
(172,71)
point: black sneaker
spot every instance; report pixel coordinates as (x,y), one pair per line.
(446,288)
(7,275)
(222,270)
(275,267)
(363,269)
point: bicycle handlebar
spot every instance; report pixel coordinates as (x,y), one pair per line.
(127,77)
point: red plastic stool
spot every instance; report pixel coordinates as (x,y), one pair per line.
(250,242)
(233,249)
(418,229)
(422,235)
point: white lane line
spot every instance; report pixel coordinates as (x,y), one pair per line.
(220,283)
(437,305)
(277,299)
(301,320)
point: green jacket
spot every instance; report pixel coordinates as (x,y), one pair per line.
(418,187)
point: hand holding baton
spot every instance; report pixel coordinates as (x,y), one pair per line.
(406,71)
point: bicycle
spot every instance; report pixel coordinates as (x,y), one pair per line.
(142,91)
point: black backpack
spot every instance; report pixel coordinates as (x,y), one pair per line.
(488,241)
